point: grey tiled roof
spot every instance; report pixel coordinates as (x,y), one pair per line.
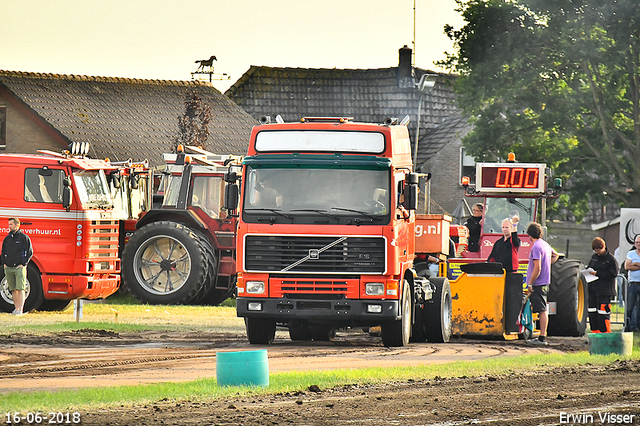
(126,118)
(452,128)
(367,95)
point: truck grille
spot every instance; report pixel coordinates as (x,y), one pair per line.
(102,244)
(310,254)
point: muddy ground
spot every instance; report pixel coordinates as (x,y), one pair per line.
(544,396)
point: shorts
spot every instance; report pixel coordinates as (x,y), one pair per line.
(16,278)
(539,298)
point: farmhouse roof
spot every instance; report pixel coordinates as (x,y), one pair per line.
(126,118)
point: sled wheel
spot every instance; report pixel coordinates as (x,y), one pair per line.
(438,312)
(569,290)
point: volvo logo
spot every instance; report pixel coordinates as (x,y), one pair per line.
(314,254)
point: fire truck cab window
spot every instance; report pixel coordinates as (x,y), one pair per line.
(43,186)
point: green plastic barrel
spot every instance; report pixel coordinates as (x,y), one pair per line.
(244,368)
(610,343)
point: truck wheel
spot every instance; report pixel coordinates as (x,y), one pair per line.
(299,331)
(437,312)
(260,331)
(165,263)
(322,333)
(55,305)
(33,291)
(397,333)
(569,290)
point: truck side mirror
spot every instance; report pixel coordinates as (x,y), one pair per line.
(67,193)
(410,197)
(231,196)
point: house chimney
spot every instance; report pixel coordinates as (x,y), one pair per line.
(405,70)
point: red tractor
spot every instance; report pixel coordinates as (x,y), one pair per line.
(183,252)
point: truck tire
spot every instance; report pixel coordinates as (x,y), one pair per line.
(165,263)
(33,291)
(299,331)
(260,331)
(397,333)
(53,305)
(569,290)
(437,312)
(322,333)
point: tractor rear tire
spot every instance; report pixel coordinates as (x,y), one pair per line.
(260,331)
(165,263)
(437,312)
(33,291)
(397,333)
(569,290)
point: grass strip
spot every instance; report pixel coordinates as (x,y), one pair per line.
(90,399)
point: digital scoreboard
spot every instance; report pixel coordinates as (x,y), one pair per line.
(510,178)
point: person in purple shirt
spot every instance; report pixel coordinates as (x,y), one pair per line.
(541,257)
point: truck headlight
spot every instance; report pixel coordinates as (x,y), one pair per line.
(254,287)
(374,289)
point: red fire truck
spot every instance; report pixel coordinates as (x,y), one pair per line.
(64,206)
(326,234)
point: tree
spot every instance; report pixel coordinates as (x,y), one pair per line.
(193,125)
(555,81)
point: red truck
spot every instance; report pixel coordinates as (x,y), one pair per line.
(64,206)
(327,234)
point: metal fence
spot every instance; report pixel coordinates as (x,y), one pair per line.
(618,306)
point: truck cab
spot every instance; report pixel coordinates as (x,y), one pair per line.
(326,234)
(64,206)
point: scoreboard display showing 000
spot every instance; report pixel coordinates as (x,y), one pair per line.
(510,178)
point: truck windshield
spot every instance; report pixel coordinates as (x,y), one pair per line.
(93,189)
(498,209)
(318,192)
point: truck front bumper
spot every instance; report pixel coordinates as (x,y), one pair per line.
(347,311)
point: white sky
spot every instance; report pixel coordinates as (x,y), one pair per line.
(161,39)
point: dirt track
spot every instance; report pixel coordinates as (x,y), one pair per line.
(99,358)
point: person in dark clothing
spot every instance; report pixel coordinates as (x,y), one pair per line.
(604,266)
(16,254)
(505,250)
(474,224)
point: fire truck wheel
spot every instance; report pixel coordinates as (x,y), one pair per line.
(260,331)
(397,333)
(438,312)
(55,305)
(33,291)
(569,290)
(165,263)
(299,331)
